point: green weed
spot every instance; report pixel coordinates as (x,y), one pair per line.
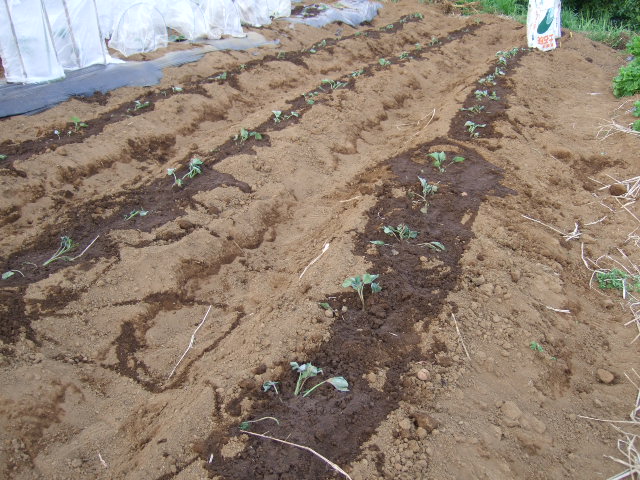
(618,280)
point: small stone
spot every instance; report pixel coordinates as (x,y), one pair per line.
(423,374)
(486,288)
(618,189)
(605,376)
(477,281)
(511,410)
(344,308)
(76,463)
(405,424)
(516,275)
(394,252)
(426,421)
(328,313)
(421,433)
(185,224)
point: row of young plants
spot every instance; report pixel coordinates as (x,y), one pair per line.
(68,133)
(485,93)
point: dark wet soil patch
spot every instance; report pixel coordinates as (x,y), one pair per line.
(415,282)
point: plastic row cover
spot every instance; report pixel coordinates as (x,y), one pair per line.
(351,12)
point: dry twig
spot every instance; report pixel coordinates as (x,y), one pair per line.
(324,459)
(191,342)
(460,336)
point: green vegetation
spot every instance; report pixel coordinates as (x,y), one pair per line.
(309,97)
(3,157)
(474,109)
(628,80)
(195,168)
(222,76)
(357,73)
(244,135)
(358,283)
(384,62)
(401,232)
(266,386)
(138,105)
(334,84)
(440,158)
(11,273)
(536,347)
(247,423)
(136,213)
(307,370)
(78,124)
(472,127)
(435,246)
(66,245)
(618,280)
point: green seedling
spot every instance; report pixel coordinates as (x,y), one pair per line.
(292,114)
(480,94)
(417,15)
(222,76)
(387,27)
(618,280)
(138,105)
(244,135)
(305,371)
(434,41)
(488,80)
(3,157)
(11,273)
(269,384)
(474,109)
(358,283)
(277,116)
(404,56)
(440,158)
(57,133)
(499,71)
(357,73)
(66,245)
(384,62)
(136,213)
(427,188)
(472,127)
(418,46)
(281,55)
(333,84)
(195,168)
(435,246)
(309,97)
(401,232)
(247,423)
(636,109)
(636,126)
(536,347)
(325,306)
(494,96)
(339,383)
(78,124)
(321,44)
(243,67)
(177,89)
(378,242)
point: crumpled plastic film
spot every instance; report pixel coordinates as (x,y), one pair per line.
(351,12)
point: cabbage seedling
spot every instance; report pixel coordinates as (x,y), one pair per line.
(66,245)
(439,159)
(357,73)
(244,135)
(277,116)
(404,56)
(11,273)
(339,383)
(135,213)
(140,105)
(269,384)
(3,157)
(474,109)
(305,371)
(358,283)
(436,246)
(384,62)
(472,127)
(221,76)
(401,232)
(333,84)
(434,41)
(78,124)
(195,168)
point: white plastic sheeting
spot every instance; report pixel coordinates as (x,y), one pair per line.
(140,28)
(42,38)
(26,44)
(76,33)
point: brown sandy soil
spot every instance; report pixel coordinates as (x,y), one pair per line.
(88,345)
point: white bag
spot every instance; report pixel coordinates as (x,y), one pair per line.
(543,24)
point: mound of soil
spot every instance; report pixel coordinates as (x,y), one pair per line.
(430,149)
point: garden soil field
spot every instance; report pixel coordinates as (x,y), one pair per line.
(140,356)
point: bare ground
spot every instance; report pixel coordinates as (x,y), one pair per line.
(88,346)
